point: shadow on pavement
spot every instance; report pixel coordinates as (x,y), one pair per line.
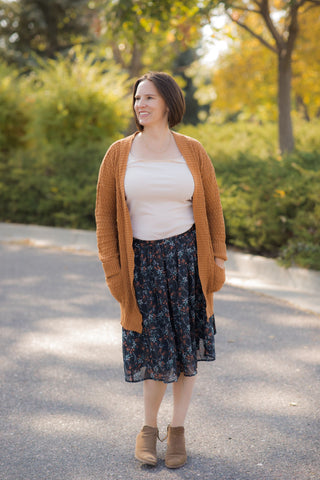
(68,414)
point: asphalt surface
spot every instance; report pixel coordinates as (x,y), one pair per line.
(299,287)
(67,414)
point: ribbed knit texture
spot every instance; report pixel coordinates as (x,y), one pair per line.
(114,231)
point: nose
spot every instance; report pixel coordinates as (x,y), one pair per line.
(139,102)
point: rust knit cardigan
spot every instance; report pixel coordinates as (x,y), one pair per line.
(114,231)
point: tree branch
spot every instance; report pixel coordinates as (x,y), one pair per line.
(117,55)
(270,25)
(254,34)
(245,9)
(293,28)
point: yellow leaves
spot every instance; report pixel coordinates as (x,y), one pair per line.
(278,4)
(156,26)
(170,37)
(306,62)
(145,24)
(42,46)
(245,78)
(191,12)
(180,11)
(137,9)
(279,193)
(61,109)
(5,82)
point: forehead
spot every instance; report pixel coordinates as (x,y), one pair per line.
(146,87)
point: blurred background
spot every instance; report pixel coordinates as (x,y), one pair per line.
(250,72)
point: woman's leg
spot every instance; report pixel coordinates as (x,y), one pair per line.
(153,392)
(182,393)
(176,454)
(146,451)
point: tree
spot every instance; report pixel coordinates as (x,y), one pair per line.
(42,27)
(278,31)
(306,66)
(149,34)
(245,76)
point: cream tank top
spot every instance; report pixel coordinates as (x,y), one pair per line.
(159,197)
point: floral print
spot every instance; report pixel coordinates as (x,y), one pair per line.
(176,332)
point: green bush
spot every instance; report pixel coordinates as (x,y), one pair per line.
(13,117)
(44,194)
(53,138)
(77,109)
(76,101)
(13,124)
(271,203)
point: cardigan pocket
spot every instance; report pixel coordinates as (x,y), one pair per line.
(219,277)
(114,283)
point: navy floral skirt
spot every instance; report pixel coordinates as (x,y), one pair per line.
(176,333)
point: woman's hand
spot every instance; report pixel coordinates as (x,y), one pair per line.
(219,262)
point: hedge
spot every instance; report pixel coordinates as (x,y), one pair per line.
(57,124)
(271,203)
(73,109)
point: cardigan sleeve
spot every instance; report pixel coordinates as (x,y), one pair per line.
(213,205)
(106,215)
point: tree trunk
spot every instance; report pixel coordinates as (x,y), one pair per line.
(134,70)
(302,107)
(135,66)
(286,141)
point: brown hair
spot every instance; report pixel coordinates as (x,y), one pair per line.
(169,91)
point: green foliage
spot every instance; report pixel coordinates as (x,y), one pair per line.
(271,203)
(13,124)
(12,115)
(30,27)
(52,140)
(76,100)
(58,189)
(136,31)
(77,109)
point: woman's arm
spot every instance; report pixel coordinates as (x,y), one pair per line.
(106,215)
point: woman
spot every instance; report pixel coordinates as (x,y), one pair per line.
(161,241)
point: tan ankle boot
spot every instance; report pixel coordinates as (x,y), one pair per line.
(176,455)
(146,445)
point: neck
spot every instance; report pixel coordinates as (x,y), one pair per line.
(156,133)
(157,142)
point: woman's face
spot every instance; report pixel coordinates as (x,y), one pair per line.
(149,105)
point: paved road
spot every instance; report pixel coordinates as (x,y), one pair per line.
(67,414)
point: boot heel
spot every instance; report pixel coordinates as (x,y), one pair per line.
(146,443)
(176,455)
